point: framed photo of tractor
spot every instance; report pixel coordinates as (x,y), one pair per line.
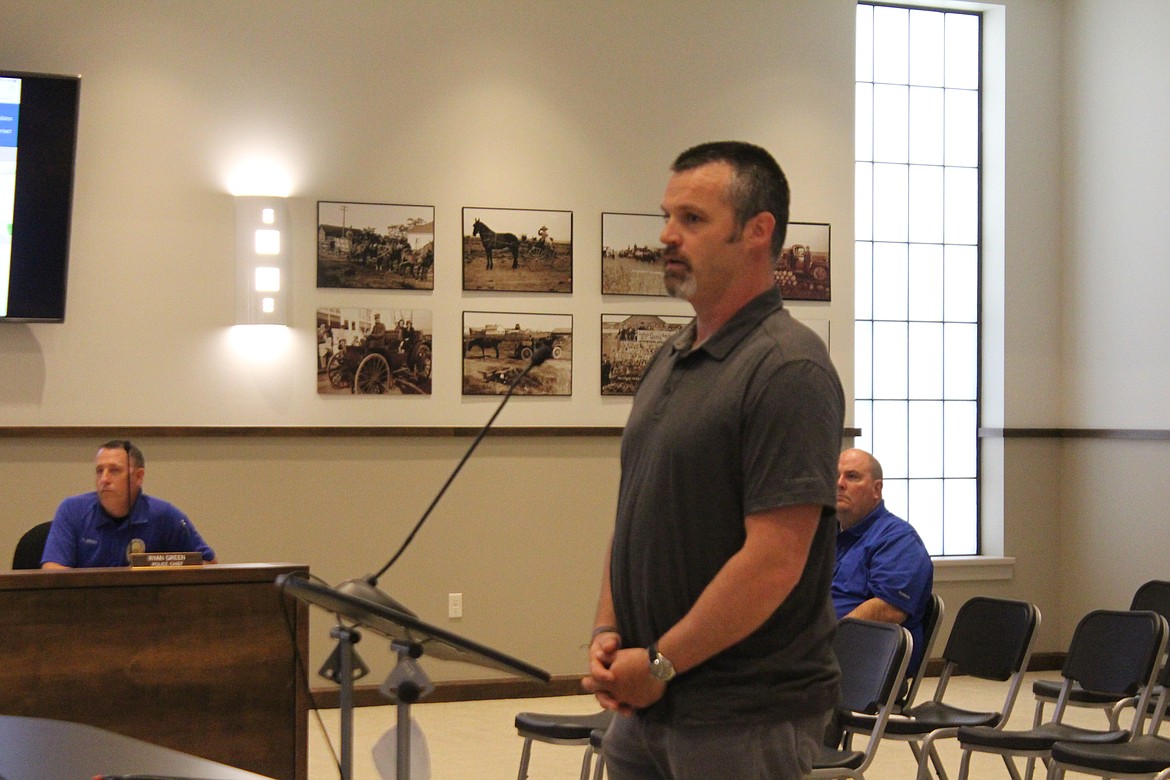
(631,254)
(628,341)
(380,246)
(803,273)
(498,345)
(518,250)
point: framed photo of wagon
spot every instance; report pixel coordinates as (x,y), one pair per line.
(518,250)
(382,246)
(498,345)
(628,341)
(374,351)
(631,254)
(803,273)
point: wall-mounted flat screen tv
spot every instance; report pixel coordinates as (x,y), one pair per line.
(38,143)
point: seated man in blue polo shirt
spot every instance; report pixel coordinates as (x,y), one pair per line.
(883,572)
(101,529)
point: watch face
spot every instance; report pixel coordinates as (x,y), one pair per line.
(661,668)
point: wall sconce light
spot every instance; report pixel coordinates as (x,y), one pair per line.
(262,239)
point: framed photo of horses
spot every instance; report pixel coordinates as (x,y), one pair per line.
(628,341)
(374,351)
(497,346)
(518,250)
(379,246)
(803,271)
(631,254)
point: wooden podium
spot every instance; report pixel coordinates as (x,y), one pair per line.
(200,659)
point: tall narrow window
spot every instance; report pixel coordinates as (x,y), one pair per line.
(917,274)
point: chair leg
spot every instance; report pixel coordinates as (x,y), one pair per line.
(525,754)
(599,767)
(1015,773)
(964,764)
(923,752)
(587,762)
(939,769)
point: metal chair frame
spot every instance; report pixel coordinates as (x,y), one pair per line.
(991,639)
(556,729)
(1153,595)
(873,658)
(1111,652)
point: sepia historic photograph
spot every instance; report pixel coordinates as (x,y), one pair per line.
(631,254)
(381,246)
(518,250)
(498,345)
(373,351)
(803,271)
(628,341)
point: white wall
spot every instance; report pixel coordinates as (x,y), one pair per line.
(1115,237)
(577,107)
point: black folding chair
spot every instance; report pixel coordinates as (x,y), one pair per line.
(560,730)
(1145,756)
(873,658)
(1111,652)
(992,640)
(1154,596)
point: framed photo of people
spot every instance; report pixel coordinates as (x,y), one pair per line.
(628,341)
(365,351)
(380,246)
(518,250)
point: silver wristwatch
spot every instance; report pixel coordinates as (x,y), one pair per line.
(660,666)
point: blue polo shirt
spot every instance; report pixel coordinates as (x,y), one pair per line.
(884,557)
(83,536)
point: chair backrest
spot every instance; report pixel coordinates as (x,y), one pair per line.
(1154,596)
(31,547)
(1116,652)
(873,658)
(992,638)
(931,622)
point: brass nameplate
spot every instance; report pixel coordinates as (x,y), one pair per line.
(151,559)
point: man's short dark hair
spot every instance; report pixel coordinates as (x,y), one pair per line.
(133,454)
(758,185)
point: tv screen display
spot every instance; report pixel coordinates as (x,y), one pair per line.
(38,142)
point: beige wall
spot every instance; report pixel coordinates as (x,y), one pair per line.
(567,106)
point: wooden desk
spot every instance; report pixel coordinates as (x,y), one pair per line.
(199,660)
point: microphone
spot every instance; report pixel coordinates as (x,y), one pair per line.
(367,587)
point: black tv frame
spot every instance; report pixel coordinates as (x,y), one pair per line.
(43,201)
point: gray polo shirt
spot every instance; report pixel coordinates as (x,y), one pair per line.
(749,421)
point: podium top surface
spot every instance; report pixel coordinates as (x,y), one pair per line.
(400,626)
(44,749)
(220,573)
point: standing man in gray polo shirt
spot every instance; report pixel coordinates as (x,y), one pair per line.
(714,626)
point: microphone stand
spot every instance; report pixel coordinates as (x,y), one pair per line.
(367,587)
(408,682)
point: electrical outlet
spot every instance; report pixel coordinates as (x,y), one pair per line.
(454,605)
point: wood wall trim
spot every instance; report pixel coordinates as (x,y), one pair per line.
(296,431)
(292,431)
(560,685)
(1154,434)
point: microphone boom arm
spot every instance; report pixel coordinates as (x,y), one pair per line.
(542,353)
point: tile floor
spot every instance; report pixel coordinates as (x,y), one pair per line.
(478,740)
